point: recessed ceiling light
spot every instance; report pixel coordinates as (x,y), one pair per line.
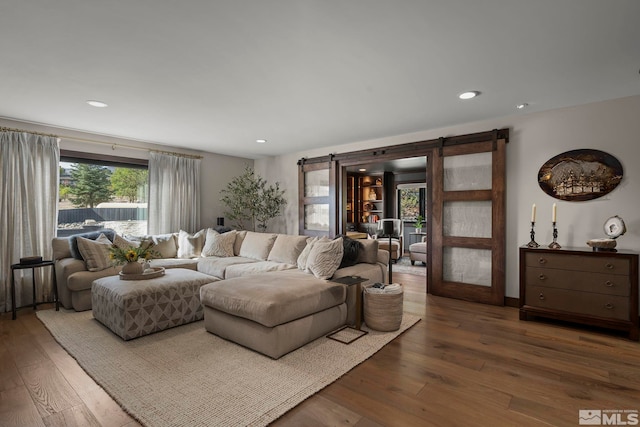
(261,141)
(99,104)
(362,170)
(521,106)
(468,95)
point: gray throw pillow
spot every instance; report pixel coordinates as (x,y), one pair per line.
(368,252)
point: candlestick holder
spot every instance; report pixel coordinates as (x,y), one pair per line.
(554,244)
(533,243)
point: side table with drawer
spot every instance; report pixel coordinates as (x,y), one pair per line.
(581,286)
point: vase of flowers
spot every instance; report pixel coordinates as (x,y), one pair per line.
(132,267)
(131,256)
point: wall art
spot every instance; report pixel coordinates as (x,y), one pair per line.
(580,175)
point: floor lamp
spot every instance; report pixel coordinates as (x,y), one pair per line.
(388,231)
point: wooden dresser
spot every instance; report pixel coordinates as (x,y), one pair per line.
(582,286)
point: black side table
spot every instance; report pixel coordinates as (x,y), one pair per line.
(350,281)
(33,276)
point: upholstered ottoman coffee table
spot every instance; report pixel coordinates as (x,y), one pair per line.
(134,308)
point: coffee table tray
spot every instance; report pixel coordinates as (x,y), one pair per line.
(156,272)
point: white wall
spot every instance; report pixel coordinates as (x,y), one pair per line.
(216,170)
(611,126)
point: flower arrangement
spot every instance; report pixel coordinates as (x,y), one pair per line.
(120,255)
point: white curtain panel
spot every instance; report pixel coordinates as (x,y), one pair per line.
(28,212)
(174,193)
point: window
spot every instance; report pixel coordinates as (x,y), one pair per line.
(411,201)
(102,193)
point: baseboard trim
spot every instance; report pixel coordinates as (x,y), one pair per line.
(512,302)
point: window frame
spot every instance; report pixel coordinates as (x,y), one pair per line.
(422,200)
(71,156)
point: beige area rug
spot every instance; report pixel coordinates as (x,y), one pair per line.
(186,376)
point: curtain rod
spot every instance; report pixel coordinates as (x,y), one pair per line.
(5,129)
(93,141)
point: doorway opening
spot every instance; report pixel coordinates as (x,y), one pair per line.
(464,206)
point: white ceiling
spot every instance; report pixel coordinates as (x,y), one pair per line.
(217,75)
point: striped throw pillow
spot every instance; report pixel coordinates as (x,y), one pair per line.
(95,252)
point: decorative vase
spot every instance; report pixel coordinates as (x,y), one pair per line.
(132,267)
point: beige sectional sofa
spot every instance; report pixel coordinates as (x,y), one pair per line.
(269,292)
(292,302)
(74,279)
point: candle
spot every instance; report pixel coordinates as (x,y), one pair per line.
(533,213)
(553,216)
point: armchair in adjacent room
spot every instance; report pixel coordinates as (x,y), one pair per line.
(397,241)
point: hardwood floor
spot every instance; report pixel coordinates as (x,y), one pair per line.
(463,364)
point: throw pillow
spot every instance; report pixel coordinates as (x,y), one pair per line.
(368,252)
(217,244)
(351,248)
(124,243)
(190,245)
(304,255)
(325,257)
(93,235)
(95,252)
(287,248)
(165,245)
(257,245)
(240,235)
(61,248)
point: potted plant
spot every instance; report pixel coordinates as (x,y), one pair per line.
(132,255)
(419,223)
(250,203)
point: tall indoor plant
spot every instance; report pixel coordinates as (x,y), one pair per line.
(250,202)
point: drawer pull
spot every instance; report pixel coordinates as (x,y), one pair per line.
(541,297)
(542,277)
(608,306)
(609,266)
(542,261)
(608,284)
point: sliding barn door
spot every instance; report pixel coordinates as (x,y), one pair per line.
(468,221)
(317,198)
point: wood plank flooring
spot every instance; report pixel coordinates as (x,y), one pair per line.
(464,364)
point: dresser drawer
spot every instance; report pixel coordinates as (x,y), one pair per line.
(586,303)
(599,264)
(609,284)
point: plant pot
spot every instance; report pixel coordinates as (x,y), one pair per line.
(133,267)
(418,230)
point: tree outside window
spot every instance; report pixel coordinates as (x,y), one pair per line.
(409,203)
(91,185)
(104,195)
